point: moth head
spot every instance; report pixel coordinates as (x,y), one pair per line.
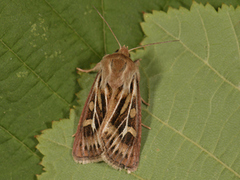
(124,50)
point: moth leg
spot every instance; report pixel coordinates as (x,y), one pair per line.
(89,70)
(144,102)
(145,126)
(137,61)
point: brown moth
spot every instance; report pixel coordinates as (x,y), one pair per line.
(109,128)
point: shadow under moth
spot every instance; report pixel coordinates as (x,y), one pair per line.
(109,128)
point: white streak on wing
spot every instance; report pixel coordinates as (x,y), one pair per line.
(95,102)
(116,105)
(125,130)
(83,138)
(129,155)
(115,133)
(97,133)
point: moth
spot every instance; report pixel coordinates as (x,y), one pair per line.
(109,128)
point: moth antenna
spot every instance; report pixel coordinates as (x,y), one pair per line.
(151,44)
(108,27)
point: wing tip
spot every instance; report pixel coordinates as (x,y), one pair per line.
(119,166)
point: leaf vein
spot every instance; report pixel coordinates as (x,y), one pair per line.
(75,32)
(210,110)
(206,36)
(28,67)
(19,141)
(234,32)
(194,143)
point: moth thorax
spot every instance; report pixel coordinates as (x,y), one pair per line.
(118,65)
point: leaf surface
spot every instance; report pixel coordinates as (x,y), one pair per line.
(193,90)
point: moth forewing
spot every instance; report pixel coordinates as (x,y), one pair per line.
(86,146)
(121,130)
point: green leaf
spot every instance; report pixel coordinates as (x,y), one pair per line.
(194,94)
(41,44)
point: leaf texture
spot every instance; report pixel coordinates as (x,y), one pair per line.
(193,89)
